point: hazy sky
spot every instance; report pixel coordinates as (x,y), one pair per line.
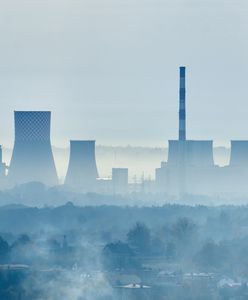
(108,69)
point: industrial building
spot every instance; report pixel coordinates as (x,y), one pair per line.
(82,171)
(189,161)
(190,168)
(120,180)
(32,158)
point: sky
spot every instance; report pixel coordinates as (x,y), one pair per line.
(108,69)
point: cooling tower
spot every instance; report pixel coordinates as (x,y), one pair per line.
(82,170)
(2,165)
(32,158)
(239,154)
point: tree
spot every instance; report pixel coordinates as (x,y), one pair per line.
(4,249)
(212,256)
(118,255)
(184,229)
(23,240)
(21,249)
(139,238)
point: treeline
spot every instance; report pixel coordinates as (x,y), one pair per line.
(203,238)
(18,218)
(182,245)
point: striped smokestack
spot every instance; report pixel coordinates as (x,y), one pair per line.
(182,114)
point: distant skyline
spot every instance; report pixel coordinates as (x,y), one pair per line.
(109,70)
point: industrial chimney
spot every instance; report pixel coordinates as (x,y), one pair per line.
(82,170)
(32,158)
(182,108)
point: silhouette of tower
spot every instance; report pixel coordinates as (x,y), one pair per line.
(32,158)
(183,152)
(189,161)
(82,170)
(239,154)
(3,169)
(3,166)
(182,105)
(120,180)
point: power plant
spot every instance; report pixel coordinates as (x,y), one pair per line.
(32,158)
(189,161)
(120,180)
(189,169)
(82,170)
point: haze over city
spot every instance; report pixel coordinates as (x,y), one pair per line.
(123,150)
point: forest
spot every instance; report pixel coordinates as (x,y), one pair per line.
(179,252)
